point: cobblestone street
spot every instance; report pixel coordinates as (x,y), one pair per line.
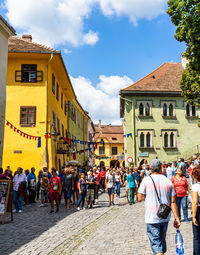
(119,229)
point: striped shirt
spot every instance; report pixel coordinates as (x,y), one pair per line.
(165,192)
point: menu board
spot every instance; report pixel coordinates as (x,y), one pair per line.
(4,192)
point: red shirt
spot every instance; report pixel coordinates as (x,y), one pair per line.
(98,177)
(54,184)
(103,174)
(180,186)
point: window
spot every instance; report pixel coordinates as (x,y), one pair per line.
(54,120)
(78,119)
(57,92)
(101,150)
(58,124)
(29,73)
(145,139)
(114,138)
(69,108)
(53,84)
(168,109)
(145,109)
(63,132)
(74,114)
(169,139)
(27,116)
(61,100)
(65,107)
(114,150)
(191,111)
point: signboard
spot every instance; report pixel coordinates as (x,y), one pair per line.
(130,160)
(143,154)
(5,199)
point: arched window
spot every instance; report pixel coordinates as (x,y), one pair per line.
(147,109)
(142,140)
(188,110)
(165,109)
(171,110)
(193,111)
(165,140)
(148,140)
(172,139)
(141,109)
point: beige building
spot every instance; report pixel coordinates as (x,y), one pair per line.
(5,32)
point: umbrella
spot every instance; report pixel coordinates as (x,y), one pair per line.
(75,162)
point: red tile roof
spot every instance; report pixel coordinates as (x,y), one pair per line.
(165,78)
(17,44)
(114,134)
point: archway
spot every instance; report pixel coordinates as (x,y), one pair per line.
(114,163)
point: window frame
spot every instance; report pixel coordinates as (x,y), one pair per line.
(27,124)
(61,100)
(53,86)
(169,133)
(57,91)
(142,108)
(103,150)
(190,109)
(145,141)
(116,152)
(168,103)
(34,71)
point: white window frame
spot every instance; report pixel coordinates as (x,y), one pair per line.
(190,110)
(145,132)
(168,104)
(169,133)
(144,106)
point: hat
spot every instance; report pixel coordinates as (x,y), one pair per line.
(156,164)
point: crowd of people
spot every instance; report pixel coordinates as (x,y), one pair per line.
(156,183)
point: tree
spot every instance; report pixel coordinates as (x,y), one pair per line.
(185,15)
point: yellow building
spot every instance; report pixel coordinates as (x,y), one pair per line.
(38,95)
(110,145)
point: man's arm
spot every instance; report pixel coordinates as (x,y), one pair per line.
(174,208)
(140,197)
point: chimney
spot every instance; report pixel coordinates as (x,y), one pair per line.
(184,61)
(27,38)
(99,125)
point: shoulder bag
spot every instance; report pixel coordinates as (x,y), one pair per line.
(164,209)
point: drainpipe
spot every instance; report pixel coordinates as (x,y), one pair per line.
(47,122)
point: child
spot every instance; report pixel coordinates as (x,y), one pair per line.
(44,183)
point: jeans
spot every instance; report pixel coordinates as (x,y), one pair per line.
(117,188)
(196,235)
(17,200)
(81,200)
(32,195)
(182,201)
(157,237)
(96,191)
(131,195)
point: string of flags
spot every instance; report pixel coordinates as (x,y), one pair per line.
(23,134)
(127,135)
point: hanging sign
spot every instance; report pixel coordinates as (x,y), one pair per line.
(130,160)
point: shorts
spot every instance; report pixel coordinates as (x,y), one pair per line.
(90,194)
(67,193)
(111,191)
(53,196)
(157,237)
(44,195)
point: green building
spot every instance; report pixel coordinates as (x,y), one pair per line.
(157,120)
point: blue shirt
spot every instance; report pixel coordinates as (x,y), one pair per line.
(131,181)
(31,176)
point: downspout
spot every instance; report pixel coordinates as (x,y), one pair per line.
(47,122)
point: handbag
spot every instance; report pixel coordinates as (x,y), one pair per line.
(164,209)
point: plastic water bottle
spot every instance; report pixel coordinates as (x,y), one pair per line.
(179,243)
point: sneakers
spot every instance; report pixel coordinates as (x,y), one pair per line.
(20,211)
(113,203)
(51,211)
(187,221)
(78,208)
(42,205)
(83,208)
(109,204)
(14,210)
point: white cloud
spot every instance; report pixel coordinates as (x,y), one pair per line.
(100,104)
(66,51)
(56,22)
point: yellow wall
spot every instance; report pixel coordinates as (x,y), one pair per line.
(108,152)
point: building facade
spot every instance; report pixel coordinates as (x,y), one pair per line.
(157,118)
(110,145)
(91,139)
(39,93)
(5,32)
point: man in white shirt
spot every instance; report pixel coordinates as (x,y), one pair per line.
(19,180)
(169,171)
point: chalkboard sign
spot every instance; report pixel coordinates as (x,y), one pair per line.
(5,199)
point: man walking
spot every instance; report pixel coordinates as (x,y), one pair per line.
(132,186)
(157,227)
(110,186)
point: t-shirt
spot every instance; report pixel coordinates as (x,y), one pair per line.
(67,181)
(110,178)
(3,177)
(183,168)
(196,188)
(146,173)
(117,178)
(180,186)
(169,172)
(131,181)
(54,184)
(75,178)
(91,178)
(103,174)
(98,177)
(165,191)
(31,181)
(83,185)
(137,176)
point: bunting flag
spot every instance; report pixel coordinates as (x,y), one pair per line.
(21,133)
(127,135)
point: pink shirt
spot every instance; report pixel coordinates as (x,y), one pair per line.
(17,180)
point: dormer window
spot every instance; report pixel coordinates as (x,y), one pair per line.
(144,109)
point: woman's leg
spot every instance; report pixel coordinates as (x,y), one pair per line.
(178,202)
(15,199)
(185,207)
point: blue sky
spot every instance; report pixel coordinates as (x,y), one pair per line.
(106,44)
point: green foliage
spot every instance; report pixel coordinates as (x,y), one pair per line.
(185,15)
